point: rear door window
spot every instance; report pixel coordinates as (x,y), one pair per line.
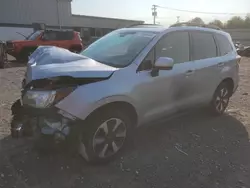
(50,35)
(224,44)
(65,35)
(204,46)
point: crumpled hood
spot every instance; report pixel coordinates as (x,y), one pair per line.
(48,62)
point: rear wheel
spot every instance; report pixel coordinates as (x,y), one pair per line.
(221,98)
(20,59)
(23,56)
(104,136)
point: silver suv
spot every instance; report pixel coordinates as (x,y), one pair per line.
(128,78)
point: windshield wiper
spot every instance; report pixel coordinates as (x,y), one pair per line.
(109,64)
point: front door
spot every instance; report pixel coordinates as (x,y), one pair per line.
(170,90)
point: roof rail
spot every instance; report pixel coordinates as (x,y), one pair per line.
(144,25)
(196,25)
(61,30)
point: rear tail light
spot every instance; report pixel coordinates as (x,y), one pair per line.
(79,36)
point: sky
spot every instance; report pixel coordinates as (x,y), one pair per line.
(141,9)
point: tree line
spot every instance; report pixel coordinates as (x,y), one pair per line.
(236,22)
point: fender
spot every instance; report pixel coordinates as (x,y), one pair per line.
(88,108)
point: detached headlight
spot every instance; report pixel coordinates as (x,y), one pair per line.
(44,99)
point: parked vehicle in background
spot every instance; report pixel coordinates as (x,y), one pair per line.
(242,50)
(246,51)
(70,40)
(3,55)
(239,48)
(128,78)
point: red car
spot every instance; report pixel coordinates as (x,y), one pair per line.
(21,49)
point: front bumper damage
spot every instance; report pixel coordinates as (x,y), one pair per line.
(50,125)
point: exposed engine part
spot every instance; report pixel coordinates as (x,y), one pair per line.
(23,126)
(17,131)
(59,137)
(35,126)
(66,115)
(59,82)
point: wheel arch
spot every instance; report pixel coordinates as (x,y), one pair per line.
(230,83)
(27,49)
(123,106)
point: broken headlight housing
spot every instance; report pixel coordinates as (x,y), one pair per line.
(44,99)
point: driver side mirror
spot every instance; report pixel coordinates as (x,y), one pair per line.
(162,63)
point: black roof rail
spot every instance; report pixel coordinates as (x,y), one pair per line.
(144,25)
(196,25)
(61,30)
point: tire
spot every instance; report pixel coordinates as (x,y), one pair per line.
(24,54)
(75,50)
(104,136)
(22,57)
(221,98)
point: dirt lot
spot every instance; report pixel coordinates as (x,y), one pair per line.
(194,151)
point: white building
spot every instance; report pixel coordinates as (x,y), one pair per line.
(18,16)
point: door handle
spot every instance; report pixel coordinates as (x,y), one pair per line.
(220,64)
(189,72)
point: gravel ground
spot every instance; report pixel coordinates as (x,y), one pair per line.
(193,151)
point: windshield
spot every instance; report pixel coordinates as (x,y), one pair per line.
(119,48)
(34,35)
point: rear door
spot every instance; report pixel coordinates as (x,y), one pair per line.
(64,39)
(206,58)
(49,38)
(176,45)
(228,66)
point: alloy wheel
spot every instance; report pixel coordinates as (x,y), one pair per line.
(109,137)
(221,100)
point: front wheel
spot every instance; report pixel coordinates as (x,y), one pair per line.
(221,98)
(104,136)
(75,50)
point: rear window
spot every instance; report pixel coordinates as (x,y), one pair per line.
(224,44)
(203,46)
(65,35)
(58,35)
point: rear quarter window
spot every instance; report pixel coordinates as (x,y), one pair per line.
(224,44)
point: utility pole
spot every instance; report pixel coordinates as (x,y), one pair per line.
(58,14)
(154,13)
(178,19)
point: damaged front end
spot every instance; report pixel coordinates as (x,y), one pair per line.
(41,123)
(52,74)
(35,114)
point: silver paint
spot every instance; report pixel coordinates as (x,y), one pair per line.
(186,85)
